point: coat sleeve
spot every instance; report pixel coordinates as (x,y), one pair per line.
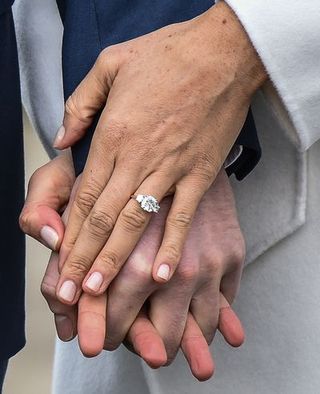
(286,35)
(39,38)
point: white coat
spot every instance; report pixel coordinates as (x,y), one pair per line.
(278,204)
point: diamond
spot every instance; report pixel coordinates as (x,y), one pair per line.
(148,203)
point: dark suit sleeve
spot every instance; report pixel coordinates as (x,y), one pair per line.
(251,152)
(12,336)
(89,29)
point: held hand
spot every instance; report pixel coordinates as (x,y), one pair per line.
(143,336)
(48,194)
(212,261)
(176,101)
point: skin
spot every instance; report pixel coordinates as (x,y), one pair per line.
(144,333)
(173,103)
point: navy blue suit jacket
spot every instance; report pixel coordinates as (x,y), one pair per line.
(92,25)
(11,192)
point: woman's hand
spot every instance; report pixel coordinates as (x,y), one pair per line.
(173,104)
(210,268)
(48,194)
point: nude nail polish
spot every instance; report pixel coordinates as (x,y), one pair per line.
(59,136)
(95,281)
(49,236)
(163,271)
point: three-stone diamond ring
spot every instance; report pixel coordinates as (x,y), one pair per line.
(147,203)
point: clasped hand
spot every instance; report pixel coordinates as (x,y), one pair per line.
(185,312)
(173,103)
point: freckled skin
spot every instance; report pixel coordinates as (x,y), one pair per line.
(176,100)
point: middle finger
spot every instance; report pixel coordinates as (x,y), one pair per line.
(128,229)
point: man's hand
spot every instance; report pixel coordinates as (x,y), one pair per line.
(212,261)
(52,183)
(174,102)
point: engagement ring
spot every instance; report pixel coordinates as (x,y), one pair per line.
(147,203)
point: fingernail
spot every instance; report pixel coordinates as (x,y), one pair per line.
(95,281)
(59,136)
(64,327)
(68,291)
(49,236)
(163,271)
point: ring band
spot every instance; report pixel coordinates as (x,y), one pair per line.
(147,203)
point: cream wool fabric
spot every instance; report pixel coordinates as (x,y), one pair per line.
(286,35)
(279,299)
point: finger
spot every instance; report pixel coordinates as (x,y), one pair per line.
(168,313)
(91,184)
(65,315)
(205,310)
(48,192)
(88,98)
(196,351)
(92,324)
(186,200)
(129,291)
(95,231)
(229,324)
(127,231)
(134,284)
(230,282)
(147,342)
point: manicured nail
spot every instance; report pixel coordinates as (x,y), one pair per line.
(59,137)
(64,327)
(68,291)
(163,271)
(49,236)
(95,281)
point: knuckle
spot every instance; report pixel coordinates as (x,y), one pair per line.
(214,267)
(48,291)
(205,170)
(78,266)
(180,220)
(24,219)
(110,260)
(100,223)
(72,107)
(133,219)
(206,176)
(188,273)
(239,252)
(108,59)
(86,198)
(172,253)
(141,275)
(105,54)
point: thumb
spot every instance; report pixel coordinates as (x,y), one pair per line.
(89,97)
(48,193)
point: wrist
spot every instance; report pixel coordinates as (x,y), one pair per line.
(236,52)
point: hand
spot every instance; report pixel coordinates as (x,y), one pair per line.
(211,262)
(48,194)
(176,101)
